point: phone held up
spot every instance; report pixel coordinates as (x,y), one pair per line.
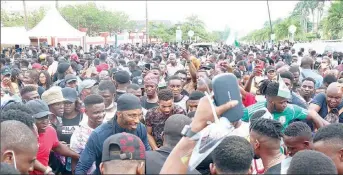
(225,89)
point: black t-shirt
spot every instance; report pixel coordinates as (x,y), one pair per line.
(69,126)
(146,104)
(276,169)
(184,92)
(118,94)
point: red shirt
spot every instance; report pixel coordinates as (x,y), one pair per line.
(46,142)
(249,100)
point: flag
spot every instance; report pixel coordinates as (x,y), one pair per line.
(283,90)
(237,43)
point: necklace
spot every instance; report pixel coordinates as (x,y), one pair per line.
(274,162)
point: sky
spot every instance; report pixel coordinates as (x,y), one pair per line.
(241,16)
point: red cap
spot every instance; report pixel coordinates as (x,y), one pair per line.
(74,57)
(101,67)
(36,66)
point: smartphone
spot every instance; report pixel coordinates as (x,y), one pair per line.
(147,66)
(225,89)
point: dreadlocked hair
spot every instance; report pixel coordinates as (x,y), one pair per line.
(272,89)
(262,87)
(267,127)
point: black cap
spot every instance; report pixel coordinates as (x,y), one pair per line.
(123,146)
(69,94)
(62,67)
(139,81)
(122,77)
(39,108)
(128,102)
(70,77)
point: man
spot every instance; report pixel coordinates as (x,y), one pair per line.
(295,99)
(329,140)
(122,79)
(156,117)
(52,65)
(18,146)
(173,66)
(307,64)
(329,105)
(328,79)
(8,169)
(280,109)
(6,83)
(63,69)
(55,100)
(108,91)
(123,153)
(175,85)
(233,155)
(297,137)
(134,89)
(95,111)
(47,139)
(28,93)
(296,74)
(85,87)
(151,89)
(307,89)
(71,81)
(175,165)
(171,136)
(265,138)
(129,113)
(193,101)
(311,162)
(104,75)
(182,74)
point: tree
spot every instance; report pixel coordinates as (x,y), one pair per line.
(333,24)
(95,19)
(312,5)
(17,19)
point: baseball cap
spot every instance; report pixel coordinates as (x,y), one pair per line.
(88,83)
(36,66)
(53,95)
(70,77)
(123,146)
(39,108)
(139,81)
(5,71)
(69,94)
(122,77)
(74,57)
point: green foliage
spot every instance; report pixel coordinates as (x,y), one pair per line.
(95,19)
(17,19)
(332,25)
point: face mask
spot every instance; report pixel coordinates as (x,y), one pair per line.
(14,161)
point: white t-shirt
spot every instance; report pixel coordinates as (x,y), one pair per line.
(182,102)
(171,70)
(79,139)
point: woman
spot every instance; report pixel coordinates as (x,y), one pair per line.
(44,80)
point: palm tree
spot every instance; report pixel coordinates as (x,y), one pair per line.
(301,11)
(320,10)
(312,5)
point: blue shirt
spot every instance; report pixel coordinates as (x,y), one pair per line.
(298,100)
(93,149)
(320,100)
(310,73)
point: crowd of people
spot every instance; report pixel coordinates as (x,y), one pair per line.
(134,109)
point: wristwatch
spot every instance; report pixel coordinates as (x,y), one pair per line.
(187,132)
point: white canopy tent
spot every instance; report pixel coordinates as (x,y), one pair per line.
(14,35)
(54,25)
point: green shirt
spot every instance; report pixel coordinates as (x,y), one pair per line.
(290,113)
